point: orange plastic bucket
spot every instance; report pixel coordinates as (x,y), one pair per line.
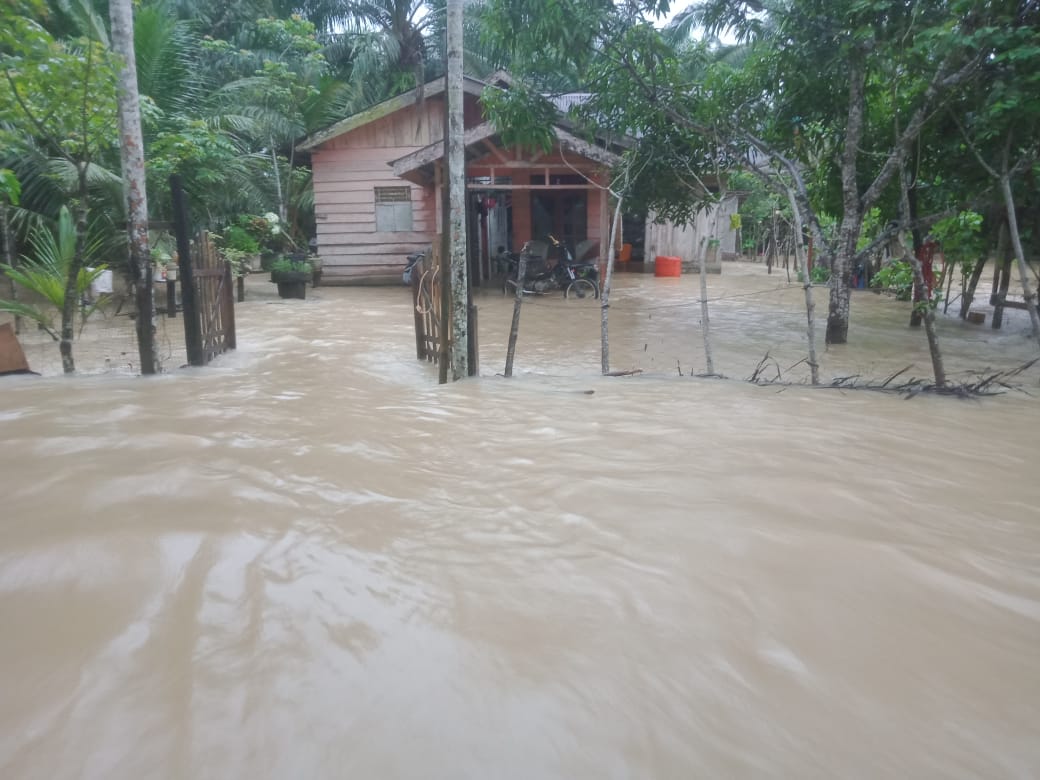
(666,265)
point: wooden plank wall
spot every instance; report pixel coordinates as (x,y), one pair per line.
(683,240)
(346,172)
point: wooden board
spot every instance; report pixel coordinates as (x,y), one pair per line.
(12,358)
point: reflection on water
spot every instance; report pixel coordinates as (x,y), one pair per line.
(311,561)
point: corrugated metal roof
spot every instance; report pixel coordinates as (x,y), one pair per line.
(569,100)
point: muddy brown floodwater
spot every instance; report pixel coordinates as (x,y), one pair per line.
(310,561)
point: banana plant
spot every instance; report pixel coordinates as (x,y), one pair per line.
(45,270)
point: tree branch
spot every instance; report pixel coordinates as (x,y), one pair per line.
(939,83)
(40,128)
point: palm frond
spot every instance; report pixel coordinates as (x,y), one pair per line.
(66,174)
(167,59)
(29,311)
(86,19)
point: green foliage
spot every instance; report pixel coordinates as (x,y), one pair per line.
(238,239)
(522,115)
(821,274)
(45,272)
(61,93)
(239,260)
(286,265)
(10,189)
(33,8)
(896,278)
(872,224)
(961,239)
(192,148)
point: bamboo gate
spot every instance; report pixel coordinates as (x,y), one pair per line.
(207,289)
(213,301)
(427,301)
(428,309)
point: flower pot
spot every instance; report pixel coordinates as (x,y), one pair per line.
(292,289)
(291,284)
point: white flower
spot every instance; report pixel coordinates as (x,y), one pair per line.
(273,222)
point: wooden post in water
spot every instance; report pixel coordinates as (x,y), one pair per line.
(1001,283)
(444,326)
(455,262)
(420,321)
(182,230)
(227,303)
(171,298)
(473,343)
(514,330)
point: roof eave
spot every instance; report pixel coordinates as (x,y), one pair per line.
(431,89)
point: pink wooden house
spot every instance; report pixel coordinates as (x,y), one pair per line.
(377,179)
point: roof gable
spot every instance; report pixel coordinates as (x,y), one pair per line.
(392,105)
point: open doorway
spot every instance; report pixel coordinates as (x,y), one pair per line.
(563,214)
(633,233)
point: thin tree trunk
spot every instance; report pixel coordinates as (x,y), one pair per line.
(802,266)
(291,214)
(71,300)
(457,194)
(709,362)
(132,157)
(604,293)
(1001,282)
(911,216)
(968,296)
(1028,293)
(928,313)
(282,211)
(948,274)
(852,220)
(9,259)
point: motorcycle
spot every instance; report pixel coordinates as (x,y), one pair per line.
(576,279)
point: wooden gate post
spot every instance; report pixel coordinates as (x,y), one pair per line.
(227,301)
(182,230)
(420,329)
(473,343)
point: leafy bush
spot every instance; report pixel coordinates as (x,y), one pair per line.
(238,239)
(286,265)
(897,278)
(821,274)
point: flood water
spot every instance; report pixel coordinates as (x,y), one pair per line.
(310,561)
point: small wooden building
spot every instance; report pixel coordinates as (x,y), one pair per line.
(377,179)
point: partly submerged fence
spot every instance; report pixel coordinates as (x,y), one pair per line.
(207,290)
(427,301)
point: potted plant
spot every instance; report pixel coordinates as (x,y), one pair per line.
(240,247)
(291,276)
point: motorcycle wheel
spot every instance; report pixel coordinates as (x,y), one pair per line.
(582,289)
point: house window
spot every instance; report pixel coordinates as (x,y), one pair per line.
(393,209)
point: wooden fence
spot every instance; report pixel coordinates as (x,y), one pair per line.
(427,301)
